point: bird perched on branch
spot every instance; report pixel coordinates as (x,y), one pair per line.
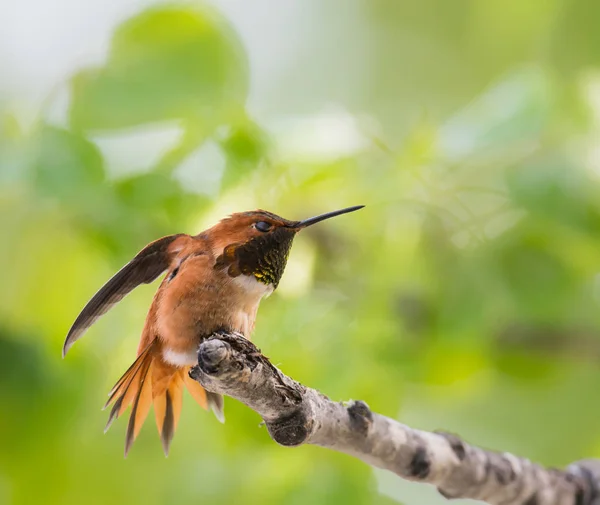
(214,282)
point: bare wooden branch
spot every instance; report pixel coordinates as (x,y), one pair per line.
(294,414)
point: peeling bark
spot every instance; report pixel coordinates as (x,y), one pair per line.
(294,414)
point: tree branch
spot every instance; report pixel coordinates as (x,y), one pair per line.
(294,414)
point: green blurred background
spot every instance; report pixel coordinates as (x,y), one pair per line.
(464,297)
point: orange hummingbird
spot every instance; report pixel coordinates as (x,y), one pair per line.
(214,282)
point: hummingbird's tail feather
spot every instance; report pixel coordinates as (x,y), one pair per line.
(215,401)
(134,387)
(195,389)
(127,387)
(125,381)
(204,398)
(152,381)
(141,405)
(167,403)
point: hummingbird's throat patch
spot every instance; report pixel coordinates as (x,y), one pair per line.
(264,257)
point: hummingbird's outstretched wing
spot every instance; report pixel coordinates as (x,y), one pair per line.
(144,268)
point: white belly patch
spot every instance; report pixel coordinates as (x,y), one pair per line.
(180,358)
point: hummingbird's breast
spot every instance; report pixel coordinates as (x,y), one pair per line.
(199,300)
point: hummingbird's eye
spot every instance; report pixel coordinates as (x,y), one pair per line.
(263,226)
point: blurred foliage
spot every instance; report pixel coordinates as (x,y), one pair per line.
(464,297)
(203,76)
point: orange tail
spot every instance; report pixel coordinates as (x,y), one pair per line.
(150,380)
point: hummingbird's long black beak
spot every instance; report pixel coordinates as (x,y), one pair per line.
(317,219)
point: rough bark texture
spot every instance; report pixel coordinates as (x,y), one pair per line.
(294,414)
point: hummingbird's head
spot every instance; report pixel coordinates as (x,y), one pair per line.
(257,243)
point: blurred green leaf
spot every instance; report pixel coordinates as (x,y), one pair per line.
(512,112)
(538,279)
(67,165)
(245,145)
(524,366)
(156,198)
(575,37)
(551,187)
(15,354)
(167,63)
(14,151)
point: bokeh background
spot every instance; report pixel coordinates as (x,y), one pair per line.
(464,297)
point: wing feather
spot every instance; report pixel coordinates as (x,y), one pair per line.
(144,268)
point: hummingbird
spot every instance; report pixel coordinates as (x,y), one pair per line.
(214,282)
